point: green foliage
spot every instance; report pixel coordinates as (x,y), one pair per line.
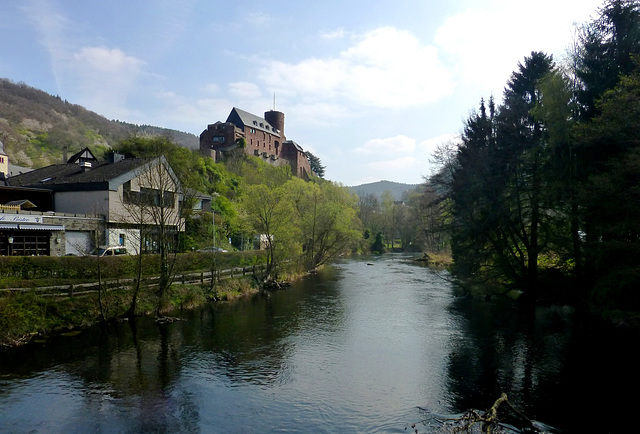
(544,188)
(316,165)
(605,52)
(326,216)
(39,128)
(378,244)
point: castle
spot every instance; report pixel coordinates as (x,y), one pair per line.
(263,137)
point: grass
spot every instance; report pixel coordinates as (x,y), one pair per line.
(24,315)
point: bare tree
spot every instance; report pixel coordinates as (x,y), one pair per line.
(151,206)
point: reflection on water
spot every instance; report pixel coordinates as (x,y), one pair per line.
(356,348)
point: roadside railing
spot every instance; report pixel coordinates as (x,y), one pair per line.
(195,278)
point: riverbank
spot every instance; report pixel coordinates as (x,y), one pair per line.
(28,315)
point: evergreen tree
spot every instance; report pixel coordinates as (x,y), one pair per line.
(523,157)
(498,188)
(471,194)
(316,165)
(606,49)
(610,198)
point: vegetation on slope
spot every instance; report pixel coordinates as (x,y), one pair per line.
(38,129)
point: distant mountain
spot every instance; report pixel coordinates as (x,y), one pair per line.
(38,129)
(397,189)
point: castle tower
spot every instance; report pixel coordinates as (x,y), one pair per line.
(276,119)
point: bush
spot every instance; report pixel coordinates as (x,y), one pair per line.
(20,270)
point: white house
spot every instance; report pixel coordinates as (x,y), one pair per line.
(133,195)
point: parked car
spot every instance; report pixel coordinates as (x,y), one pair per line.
(211,249)
(110,251)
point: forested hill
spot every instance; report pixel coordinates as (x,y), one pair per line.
(37,128)
(377,188)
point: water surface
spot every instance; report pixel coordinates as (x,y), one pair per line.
(361,347)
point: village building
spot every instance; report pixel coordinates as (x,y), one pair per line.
(90,203)
(261,137)
(4,161)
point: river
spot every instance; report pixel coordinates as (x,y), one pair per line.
(361,347)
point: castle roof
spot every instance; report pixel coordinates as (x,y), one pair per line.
(242,119)
(294,144)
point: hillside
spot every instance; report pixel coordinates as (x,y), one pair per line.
(377,188)
(37,129)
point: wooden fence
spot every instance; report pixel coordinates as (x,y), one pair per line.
(121,284)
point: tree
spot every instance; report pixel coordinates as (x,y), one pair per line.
(316,165)
(605,51)
(326,215)
(430,213)
(499,184)
(473,207)
(522,157)
(610,198)
(269,212)
(151,204)
(557,111)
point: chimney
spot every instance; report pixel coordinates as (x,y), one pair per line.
(114,157)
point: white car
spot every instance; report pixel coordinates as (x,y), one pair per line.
(110,251)
(212,249)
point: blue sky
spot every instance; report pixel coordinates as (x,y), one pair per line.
(370,87)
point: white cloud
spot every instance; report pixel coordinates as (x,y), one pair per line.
(484,44)
(431,144)
(397,164)
(107,61)
(211,88)
(106,77)
(333,34)
(192,114)
(385,68)
(50,25)
(318,113)
(258,18)
(243,89)
(396,145)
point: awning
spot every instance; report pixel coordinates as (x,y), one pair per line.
(42,227)
(8,226)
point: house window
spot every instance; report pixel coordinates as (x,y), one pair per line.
(121,240)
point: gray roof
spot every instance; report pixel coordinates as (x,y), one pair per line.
(241,118)
(71,176)
(295,145)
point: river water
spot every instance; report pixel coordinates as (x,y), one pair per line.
(361,347)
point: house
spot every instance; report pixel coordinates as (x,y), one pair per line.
(129,195)
(196,201)
(4,160)
(262,137)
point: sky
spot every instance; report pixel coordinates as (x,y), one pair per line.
(370,87)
